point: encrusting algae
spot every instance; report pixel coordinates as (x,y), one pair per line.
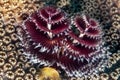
(48,73)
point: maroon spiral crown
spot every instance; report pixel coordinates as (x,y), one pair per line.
(50,37)
(86,37)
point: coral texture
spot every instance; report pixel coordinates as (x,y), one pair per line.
(12,12)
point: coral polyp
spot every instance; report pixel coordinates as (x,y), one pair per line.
(73,45)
